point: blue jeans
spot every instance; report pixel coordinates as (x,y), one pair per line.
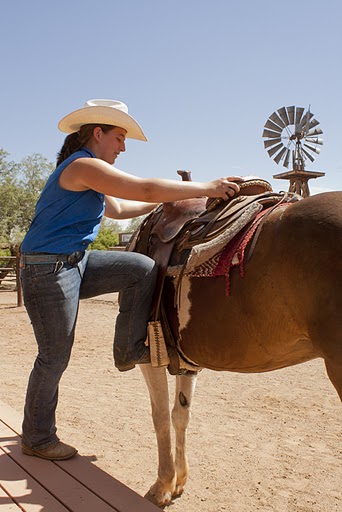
(51,296)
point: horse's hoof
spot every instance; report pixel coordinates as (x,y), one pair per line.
(160,502)
(178,491)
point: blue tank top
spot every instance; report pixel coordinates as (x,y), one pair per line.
(64,221)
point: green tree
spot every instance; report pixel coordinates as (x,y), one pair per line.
(20,187)
(9,197)
(108,235)
(134,223)
(34,170)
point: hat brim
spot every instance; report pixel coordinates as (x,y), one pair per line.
(101,115)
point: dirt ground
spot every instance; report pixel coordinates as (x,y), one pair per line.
(264,442)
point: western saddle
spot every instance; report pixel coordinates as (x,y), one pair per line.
(169,232)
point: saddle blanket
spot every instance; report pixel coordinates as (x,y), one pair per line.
(219,256)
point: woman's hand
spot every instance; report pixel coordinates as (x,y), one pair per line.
(223,187)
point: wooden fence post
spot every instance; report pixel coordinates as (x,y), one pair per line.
(18,282)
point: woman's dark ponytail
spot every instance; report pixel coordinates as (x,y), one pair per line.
(71,144)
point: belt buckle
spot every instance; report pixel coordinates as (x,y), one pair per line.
(73,258)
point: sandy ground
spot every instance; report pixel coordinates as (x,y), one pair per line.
(267,442)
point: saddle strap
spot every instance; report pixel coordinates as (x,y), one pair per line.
(164,254)
(156,340)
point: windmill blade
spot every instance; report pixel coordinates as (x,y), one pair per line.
(287,158)
(305,123)
(270,134)
(283,114)
(299,113)
(313,123)
(291,114)
(314,131)
(312,148)
(306,118)
(279,156)
(312,158)
(314,140)
(273,126)
(269,143)
(277,120)
(274,150)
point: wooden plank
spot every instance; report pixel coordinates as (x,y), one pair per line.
(65,489)
(7,504)
(104,485)
(11,417)
(24,490)
(112,491)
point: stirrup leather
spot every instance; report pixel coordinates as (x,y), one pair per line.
(156,341)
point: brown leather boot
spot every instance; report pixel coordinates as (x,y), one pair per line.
(58,451)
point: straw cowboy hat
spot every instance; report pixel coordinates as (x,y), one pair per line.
(110,112)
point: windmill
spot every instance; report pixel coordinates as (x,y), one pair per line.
(292,138)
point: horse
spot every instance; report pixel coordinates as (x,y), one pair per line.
(285,310)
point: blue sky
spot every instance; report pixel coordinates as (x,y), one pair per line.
(200,77)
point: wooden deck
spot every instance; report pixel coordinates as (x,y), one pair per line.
(30,484)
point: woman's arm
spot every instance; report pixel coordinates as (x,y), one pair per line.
(95,174)
(126,209)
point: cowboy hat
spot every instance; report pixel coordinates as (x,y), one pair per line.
(110,112)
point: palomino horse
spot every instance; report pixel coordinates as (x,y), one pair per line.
(285,310)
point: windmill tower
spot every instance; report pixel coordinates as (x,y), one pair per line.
(292,138)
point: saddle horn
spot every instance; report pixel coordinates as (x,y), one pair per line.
(186,175)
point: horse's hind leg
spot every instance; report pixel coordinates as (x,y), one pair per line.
(334,370)
(164,488)
(185,388)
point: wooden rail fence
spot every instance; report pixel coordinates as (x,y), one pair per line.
(9,271)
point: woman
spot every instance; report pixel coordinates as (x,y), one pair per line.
(57,270)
